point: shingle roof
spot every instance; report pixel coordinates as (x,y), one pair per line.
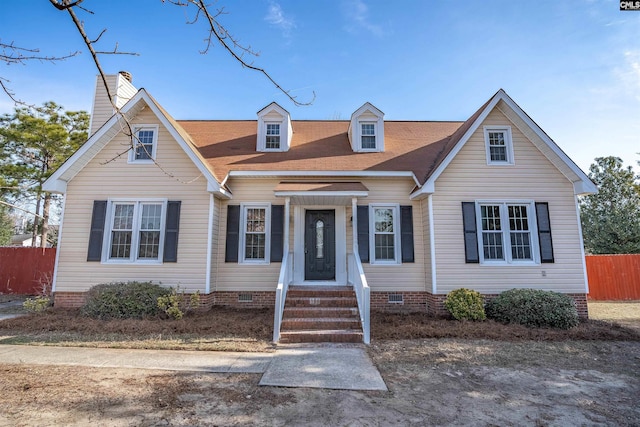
(322,146)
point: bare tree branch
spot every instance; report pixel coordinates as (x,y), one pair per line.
(20,209)
(12,54)
(218,32)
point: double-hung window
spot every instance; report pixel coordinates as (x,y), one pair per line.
(144,144)
(255,229)
(385,234)
(499,146)
(273,136)
(135,231)
(507,232)
(368,136)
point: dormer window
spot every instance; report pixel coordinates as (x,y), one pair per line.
(366,130)
(274,129)
(273,136)
(145,140)
(368,136)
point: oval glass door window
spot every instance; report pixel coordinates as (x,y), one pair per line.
(319,239)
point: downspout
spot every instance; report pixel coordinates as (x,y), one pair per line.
(432,243)
(55,269)
(584,260)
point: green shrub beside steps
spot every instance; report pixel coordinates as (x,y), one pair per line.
(465,304)
(534,308)
(124,300)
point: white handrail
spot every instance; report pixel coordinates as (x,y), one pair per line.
(286,273)
(363,293)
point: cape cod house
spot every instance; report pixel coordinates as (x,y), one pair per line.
(305,214)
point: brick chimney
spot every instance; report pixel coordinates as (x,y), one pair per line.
(121,90)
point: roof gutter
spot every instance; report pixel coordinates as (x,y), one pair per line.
(355,174)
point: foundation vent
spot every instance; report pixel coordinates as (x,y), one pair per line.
(245,297)
(396,299)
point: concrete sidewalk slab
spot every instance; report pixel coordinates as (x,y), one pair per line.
(174,360)
(323,366)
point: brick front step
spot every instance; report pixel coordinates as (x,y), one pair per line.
(323,301)
(348,336)
(320,312)
(299,324)
(316,291)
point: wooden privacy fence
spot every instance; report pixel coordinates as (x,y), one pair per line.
(25,270)
(614,277)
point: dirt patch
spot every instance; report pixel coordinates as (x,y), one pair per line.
(431,382)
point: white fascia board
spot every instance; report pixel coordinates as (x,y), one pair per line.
(212,184)
(355,174)
(54,186)
(585,185)
(321,193)
(367,106)
(54,183)
(429,185)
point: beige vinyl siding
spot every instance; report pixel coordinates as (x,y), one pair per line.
(110,176)
(533,177)
(235,276)
(397,277)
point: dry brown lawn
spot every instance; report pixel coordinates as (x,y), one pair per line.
(438,372)
(251,329)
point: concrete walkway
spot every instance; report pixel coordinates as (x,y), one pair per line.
(322,366)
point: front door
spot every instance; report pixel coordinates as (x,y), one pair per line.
(320,245)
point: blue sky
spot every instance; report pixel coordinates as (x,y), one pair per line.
(573,66)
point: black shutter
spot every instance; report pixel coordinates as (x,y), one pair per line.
(172,226)
(277,233)
(363,233)
(544,232)
(470,232)
(233,233)
(96,234)
(406,233)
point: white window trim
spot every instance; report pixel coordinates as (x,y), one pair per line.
(243,231)
(506,238)
(375,135)
(508,140)
(396,234)
(154,148)
(266,135)
(135,234)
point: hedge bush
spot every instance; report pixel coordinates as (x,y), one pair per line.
(124,300)
(465,304)
(534,308)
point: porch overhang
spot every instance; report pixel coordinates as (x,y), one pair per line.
(321,193)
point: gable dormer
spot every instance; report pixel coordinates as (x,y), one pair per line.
(366,130)
(274,129)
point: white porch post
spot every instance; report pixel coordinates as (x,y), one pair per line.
(287,204)
(354,223)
